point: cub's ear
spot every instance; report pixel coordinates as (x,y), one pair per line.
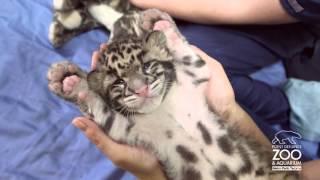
(95,80)
(156,40)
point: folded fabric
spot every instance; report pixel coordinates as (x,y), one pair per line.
(304,100)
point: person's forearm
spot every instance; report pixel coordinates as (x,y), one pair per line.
(239,118)
(222,11)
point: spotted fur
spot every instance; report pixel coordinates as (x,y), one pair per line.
(174,121)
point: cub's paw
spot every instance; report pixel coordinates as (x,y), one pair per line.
(62,5)
(66,25)
(150,16)
(68,81)
(57,34)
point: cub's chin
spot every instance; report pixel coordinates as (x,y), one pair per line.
(150,104)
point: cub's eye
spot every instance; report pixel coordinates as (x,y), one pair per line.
(119,82)
(146,65)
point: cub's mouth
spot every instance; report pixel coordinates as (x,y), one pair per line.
(147,98)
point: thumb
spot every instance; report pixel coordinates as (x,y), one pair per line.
(122,155)
(97,136)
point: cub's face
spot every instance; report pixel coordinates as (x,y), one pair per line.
(134,76)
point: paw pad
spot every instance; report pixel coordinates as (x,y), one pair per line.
(65,79)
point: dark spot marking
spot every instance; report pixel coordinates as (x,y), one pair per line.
(199,81)
(130,126)
(189,173)
(140,55)
(199,63)
(189,73)
(205,133)
(135,47)
(247,167)
(169,134)
(260,172)
(129,50)
(160,74)
(187,155)
(121,54)
(225,144)
(223,172)
(109,123)
(113,49)
(186,60)
(114,58)
(206,157)
(133,58)
(120,66)
(189,115)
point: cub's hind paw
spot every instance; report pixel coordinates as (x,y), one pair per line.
(66,25)
(67,81)
(151,16)
(57,35)
(65,4)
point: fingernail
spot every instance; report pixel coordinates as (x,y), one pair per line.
(79,124)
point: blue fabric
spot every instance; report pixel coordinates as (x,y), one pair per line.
(37,140)
(304,102)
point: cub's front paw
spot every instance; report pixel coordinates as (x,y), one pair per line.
(68,81)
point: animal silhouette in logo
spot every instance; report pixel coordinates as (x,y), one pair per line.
(284,136)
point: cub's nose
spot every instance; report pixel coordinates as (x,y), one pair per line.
(143,91)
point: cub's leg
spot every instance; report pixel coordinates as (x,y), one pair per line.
(69,82)
(71,18)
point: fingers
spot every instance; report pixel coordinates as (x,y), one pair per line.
(97,136)
(94,59)
(96,55)
(124,156)
(219,92)
(103,47)
(206,57)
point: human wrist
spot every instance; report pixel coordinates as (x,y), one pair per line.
(157,174)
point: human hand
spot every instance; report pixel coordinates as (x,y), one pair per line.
(137,161)
(142,164)
(221,98)
(219,92)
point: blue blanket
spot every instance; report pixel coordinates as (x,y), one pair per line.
(37,140)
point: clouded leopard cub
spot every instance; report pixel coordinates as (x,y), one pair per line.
(148,91)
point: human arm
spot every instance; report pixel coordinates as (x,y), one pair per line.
(222,11)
